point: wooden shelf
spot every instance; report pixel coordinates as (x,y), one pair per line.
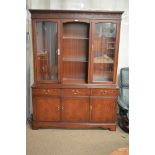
(75,59)
(112,48)
(97,78)
(75,38)
(71,81)
(103,59)
(103,63)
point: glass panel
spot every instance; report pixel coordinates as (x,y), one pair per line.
(47,45)
(104,49)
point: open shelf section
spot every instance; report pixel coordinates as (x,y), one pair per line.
(74,70)
(75,52)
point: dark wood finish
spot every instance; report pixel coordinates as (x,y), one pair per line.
(46,109)
(75,109)
(75,51)
(75,125)
(75,92)
(75,85)
(47,92)
(75,14)
(75,99)
(103,110)
(104,92)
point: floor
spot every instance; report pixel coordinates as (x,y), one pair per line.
(74,141)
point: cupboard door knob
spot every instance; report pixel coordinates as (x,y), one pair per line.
(46,91)
(104,91)
(77,91)
(91,107)
(62,108)
(58,107)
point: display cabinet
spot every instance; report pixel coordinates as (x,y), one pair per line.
(75,57)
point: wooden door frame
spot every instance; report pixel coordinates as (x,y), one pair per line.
(75,97)
(45,97)
(104,98)
(34,38)
(118,23)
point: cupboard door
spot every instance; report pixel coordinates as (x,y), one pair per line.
(104,47)
(46,109)
(75,109)
(103,110)
(47,50)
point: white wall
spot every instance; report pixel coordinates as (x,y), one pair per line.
(117,5)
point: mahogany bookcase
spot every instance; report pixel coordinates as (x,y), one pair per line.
(75,57)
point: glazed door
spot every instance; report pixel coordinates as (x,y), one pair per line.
(103,110)
(75,109)
(47,51)
(46,108)
(103,52)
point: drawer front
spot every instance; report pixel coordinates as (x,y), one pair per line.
(48,92)
(104,92)
(75,92)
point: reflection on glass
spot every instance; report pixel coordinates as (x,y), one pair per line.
(104,47)
(47,60)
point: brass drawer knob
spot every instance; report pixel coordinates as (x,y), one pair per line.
(75,91)
(46,91)
(104,91)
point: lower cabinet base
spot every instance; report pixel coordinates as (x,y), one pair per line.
(38,125)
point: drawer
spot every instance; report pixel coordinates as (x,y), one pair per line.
(75,92)
(104,92)
(51,92)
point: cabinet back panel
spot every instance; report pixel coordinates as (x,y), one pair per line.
(75,29)
(75,70)
(75,48)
